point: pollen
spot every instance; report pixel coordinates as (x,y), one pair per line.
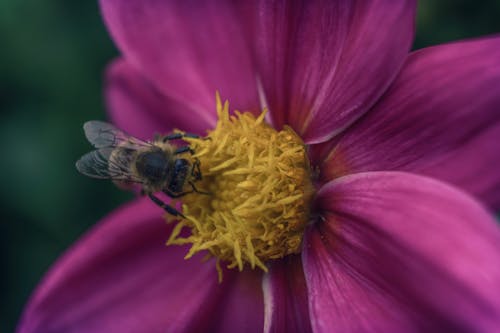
(258,188)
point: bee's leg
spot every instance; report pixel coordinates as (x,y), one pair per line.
(178,136)
(183,149)
(198,191)
(169,209)
(195,170)
(175,195)
(181,194)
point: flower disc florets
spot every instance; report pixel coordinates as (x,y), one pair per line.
(259,187)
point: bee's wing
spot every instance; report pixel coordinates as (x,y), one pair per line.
(108,163)
(102,135)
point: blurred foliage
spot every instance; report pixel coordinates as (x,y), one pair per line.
(51,64)
(448,20)
(53,56)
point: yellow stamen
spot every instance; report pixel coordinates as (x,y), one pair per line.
(260,191)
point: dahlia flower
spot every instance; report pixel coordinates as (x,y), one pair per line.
(393,159)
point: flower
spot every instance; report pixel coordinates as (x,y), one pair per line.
(391,248)
(259,187)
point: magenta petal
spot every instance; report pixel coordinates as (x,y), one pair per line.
(474,167)
(398,252)
(325,63)
(441,117)
(285,294)
(121,277)
(241,308)
(188,49)
(141,110)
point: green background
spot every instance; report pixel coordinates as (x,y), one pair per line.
(52,58)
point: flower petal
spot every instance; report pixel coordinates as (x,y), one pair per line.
(121,278)
(142,111)
(399,252)
(441,117)
(188,49)
(325,63)
(242,308)
(285,294)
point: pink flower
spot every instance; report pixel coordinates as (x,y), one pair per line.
(392,249)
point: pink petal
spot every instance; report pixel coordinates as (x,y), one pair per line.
(187,49)
(141,110)
(325,63)
(120,277)
(242,309)
(398,252)
(285,294)
(441,118)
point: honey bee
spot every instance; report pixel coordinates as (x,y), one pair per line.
(158,166)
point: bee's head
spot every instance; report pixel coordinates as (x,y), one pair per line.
(152,165)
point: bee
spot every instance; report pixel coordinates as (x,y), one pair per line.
(157,166)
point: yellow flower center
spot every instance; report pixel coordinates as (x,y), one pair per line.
(259,187)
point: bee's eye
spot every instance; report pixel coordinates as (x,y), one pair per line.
(152,165)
